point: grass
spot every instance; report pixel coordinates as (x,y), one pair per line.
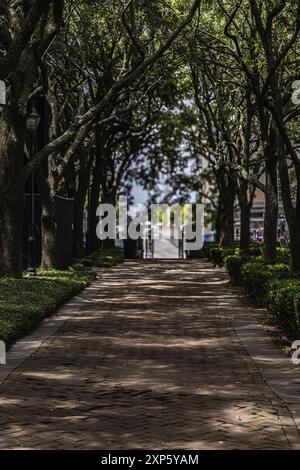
(25,302)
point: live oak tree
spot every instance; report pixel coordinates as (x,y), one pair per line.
(264,40)
(281,63)
(27,31)
(126,100)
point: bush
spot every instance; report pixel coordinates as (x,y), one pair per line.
(207,247)
(255,251)
(283,255)
(233,265)
(25,302)
(279,270)
(257,276)
(218,255)
(283,302)
(103,258)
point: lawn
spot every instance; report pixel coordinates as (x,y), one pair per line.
(25,302)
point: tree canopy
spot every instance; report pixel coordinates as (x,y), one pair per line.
(198,93)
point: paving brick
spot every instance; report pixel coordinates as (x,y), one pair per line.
(150,361)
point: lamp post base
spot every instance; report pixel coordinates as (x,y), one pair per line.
(31,270)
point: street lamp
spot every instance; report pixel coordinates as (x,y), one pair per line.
(32,123)
(2,94)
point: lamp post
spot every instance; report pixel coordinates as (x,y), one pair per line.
(2,94)
(32,123)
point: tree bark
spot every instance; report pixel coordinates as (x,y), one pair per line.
(295,248)
(94,203)
(109,197)
(98,186)
(78,241)
(47,221)
(269,139)
(245,239)
(271,212)
(285,147)
(11,194)
(218,222)
(292,210)
(227,187)
(86,160)
(48,237)
(227,226)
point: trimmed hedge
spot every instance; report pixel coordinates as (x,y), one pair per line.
(257,276)
(283,302)
(218,255)
(269,285)
(207,247)
(254,251)
(25,302)
(234,264)
(283,255)
(103,258)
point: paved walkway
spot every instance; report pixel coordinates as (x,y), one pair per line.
(165,249)
(151,362)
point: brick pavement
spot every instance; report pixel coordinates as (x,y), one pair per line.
(152,362)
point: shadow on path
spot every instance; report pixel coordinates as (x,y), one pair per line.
(151,362)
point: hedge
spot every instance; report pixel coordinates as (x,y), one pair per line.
(234,264)
(269,285)
(257,276)
(103,258)
(283,302)
(217,253)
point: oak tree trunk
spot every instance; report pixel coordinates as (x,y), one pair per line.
(271,214)
(245,240)
(227,213)
(48,224)
(78,240)
(11,194)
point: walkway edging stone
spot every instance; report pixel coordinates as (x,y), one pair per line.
(275,366)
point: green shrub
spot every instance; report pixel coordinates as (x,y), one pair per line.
(103,258)
(207,247)
(25,302)
(283,255)
(233,265)
(218,255)
(257,276)
(283,302)
(255,251)
(279,270)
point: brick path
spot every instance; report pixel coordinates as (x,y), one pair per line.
(151,362)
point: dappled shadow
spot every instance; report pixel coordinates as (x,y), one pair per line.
(151,362)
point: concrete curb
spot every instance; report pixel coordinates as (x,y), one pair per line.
(275,366)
